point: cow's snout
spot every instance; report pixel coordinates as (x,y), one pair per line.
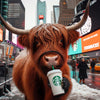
(51,60)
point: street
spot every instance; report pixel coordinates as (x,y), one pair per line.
(92,81)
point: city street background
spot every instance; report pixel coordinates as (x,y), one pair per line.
(26,14)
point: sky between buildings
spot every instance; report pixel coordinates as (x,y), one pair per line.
(30,11)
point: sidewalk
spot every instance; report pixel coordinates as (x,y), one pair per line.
(92,81)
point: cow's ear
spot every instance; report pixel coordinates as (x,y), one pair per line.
(24,40)
(72,36)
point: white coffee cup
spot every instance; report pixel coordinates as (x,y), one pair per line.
(55,79)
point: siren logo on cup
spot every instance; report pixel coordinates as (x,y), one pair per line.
(56,80)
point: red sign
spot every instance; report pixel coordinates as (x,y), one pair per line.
(41,17)
(1,35)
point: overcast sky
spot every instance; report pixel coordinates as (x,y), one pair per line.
(30,11)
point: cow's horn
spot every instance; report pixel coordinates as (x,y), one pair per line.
(13,29)
(82,21)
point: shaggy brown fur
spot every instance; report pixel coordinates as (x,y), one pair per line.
(30,68)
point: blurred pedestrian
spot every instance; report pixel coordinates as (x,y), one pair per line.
(73,64)
(82,71)
(93,65)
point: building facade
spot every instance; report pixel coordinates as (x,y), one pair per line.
(89,43)
(56,13)
(4,13)
(41,11)
(67,11)
(16,17)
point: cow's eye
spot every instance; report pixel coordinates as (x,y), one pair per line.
(62,43)
(36,45)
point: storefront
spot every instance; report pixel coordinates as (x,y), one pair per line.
(88,45)
(94,54)
(75,49)
(1,51)
(10,50)
(91,45)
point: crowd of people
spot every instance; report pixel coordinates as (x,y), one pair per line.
(82,67)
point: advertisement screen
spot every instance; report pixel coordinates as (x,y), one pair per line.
(14,38)
(7,35)
(1,35)
(91,42)
(93,21)
(94,14)
(76,48)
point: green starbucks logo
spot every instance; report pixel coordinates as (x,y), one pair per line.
(56,80)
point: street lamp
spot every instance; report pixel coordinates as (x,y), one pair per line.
(5,73)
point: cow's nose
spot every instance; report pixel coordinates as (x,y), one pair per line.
(51,60)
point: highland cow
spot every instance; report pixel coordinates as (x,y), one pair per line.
(46,45)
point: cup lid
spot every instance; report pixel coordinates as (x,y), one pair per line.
(54,71)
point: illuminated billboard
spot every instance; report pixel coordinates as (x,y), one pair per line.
(1,34)
(7,35)
(76,48)
(93,20)
(91,42)
(14,38)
